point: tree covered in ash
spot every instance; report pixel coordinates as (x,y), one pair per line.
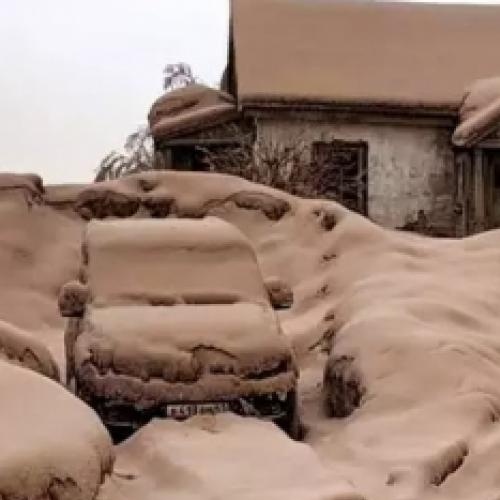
(177,76)
(138,155)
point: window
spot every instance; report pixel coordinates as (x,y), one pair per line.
(342,170)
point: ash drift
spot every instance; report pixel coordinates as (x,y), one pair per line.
(411,323)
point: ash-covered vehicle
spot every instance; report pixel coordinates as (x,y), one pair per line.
(172,318)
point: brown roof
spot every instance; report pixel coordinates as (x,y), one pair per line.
(400,54)
(190,109)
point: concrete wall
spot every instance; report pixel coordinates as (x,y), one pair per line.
(410,168)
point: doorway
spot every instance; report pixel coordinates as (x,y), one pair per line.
(477,195)
(491,166)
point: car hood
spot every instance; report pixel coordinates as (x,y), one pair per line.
(184,342)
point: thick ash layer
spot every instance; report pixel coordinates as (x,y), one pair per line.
(20,347)
(398,48)
(417,317)
(53,446)
(174,260)
(192,352)
(242,459)
(479,113)
(169,193)
(189,109)
(156,392)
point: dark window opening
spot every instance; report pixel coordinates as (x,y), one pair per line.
(187,158)
(342,169)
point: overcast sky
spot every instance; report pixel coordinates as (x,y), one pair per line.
(78,75)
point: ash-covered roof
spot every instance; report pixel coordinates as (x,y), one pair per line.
(188,110)
(379,53)
(479,113)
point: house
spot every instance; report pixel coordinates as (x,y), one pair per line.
(376,90)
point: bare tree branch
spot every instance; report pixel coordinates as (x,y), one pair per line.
(270,162)
(177,76)
(138,157)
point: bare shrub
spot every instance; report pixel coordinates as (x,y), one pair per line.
(282,165)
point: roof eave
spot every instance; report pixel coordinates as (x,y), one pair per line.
(160,133)
(447,110)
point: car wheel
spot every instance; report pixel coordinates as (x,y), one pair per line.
(291,422)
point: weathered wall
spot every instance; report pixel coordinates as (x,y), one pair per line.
(410,168)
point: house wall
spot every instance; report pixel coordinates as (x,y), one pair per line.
(410,168)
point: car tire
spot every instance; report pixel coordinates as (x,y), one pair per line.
(291,422)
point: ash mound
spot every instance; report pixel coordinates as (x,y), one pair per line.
(396,337)
(53,445)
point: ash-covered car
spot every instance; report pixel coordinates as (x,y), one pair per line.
(172,318)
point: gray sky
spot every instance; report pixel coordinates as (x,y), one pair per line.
(79,75)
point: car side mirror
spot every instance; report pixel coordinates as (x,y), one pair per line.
(280,293)
(73,297)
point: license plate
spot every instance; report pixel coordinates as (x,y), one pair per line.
(190,409)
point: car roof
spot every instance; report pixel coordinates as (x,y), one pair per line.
(206,233)
(171,260)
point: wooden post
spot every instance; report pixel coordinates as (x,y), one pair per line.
(479,207)
(489,193)
(460,202)
(464,193)
(167,155)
